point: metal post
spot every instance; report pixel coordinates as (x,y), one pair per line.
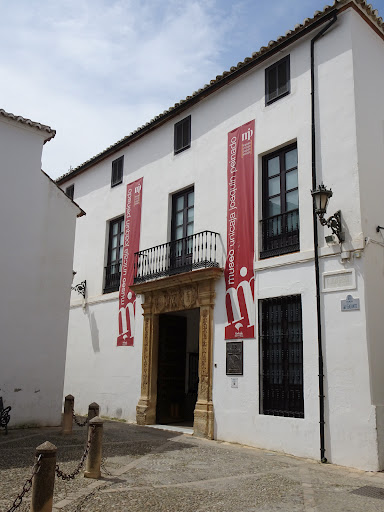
(69,404)
(44,480)
(94,455)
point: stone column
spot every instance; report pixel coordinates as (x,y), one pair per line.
(203,425)
(44,480)
(146,408)
(93,410)
(95,450)
(69,404)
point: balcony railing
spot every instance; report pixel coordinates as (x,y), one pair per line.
(192,252)
(280,234)
(112,277)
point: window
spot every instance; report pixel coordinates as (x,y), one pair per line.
(115,255)
(280,224)
(277,81)
(183,135)
(182,229)
(117,171)
(70,191)
(281,364)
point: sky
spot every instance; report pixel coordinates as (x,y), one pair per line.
(95,70)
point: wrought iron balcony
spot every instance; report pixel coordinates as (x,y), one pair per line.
(112,277)
(201,250)
(280,234)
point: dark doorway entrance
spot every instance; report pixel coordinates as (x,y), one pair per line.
(178,367)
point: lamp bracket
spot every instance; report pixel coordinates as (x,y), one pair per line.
(333,222)
(80,288)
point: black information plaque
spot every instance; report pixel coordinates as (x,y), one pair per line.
(234,358)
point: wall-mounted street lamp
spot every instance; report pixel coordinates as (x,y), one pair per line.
(321,197)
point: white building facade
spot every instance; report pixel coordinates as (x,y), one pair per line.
(179,367)
(37,226)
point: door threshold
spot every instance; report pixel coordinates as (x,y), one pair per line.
(173,428)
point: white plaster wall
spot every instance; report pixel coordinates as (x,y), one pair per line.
(204,165)
(368,51)
(37,224)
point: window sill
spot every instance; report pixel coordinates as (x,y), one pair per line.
(177,151)
(285,259)
(269,102)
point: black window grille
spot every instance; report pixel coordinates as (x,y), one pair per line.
(280,224)
(70,191)
(115,255)
(183,135)
(277,80)
(281,364)
(117,171)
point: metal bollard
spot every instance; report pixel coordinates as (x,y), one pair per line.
(69,404)
(94,455)
(44,480)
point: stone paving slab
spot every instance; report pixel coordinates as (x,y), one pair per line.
(152,470)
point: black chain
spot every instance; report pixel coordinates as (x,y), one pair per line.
(104,467)
(79,423)
(27,486)
(70,476)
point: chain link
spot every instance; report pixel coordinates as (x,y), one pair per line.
(27,486)
(76,471)
(79,423)
(104,467)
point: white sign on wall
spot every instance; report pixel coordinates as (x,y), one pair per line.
(350,304)
(339,280)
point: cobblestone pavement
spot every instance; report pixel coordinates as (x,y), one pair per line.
(151,470)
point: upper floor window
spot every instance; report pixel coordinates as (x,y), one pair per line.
(117,171)
(280,224)
(182,229)
(277,80)
(183,135)
(70,191)
(115,255)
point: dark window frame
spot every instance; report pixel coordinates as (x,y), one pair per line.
(117,171)
(281,239)
(70,191)
(281,356)
(181,248)
(182,135)
(275,69)
(113,268)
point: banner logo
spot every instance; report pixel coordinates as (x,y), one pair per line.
(239,276)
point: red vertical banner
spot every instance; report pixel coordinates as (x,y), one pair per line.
(127,299)
(239,274)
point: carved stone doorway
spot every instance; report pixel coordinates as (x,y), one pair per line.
(195,289)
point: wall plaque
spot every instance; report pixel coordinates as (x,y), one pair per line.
(234,365)
(339,280)
(350,304)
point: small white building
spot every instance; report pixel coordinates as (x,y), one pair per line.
(37,228)
(260,388)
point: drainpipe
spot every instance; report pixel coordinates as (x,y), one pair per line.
(315,242)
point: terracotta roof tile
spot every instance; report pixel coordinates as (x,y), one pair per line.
(367,9)
(50,132)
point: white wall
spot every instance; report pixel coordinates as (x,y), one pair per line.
(37,224)
(237,417)
(368,50)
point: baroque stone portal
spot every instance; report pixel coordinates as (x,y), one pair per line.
(176,293)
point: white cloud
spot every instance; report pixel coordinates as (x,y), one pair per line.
(95,70)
